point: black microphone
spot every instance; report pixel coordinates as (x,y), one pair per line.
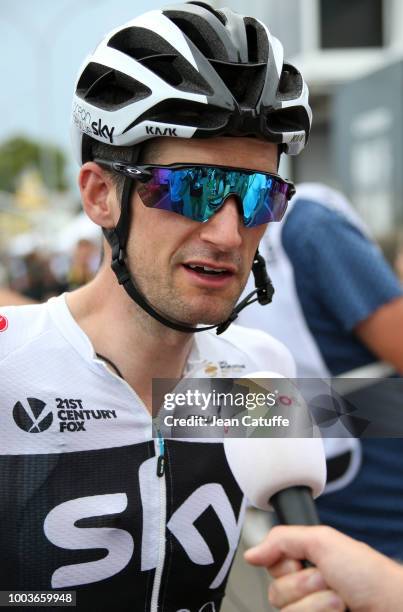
(281,474)
(295,506)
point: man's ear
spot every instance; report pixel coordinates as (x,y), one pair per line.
(98,195)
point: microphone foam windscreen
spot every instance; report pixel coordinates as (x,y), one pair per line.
(263,466)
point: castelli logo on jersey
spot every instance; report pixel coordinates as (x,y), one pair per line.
(3,323)
(31,416)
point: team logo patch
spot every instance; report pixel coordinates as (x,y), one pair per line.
(31,415)
(69,415)
(224,369)
(211,369)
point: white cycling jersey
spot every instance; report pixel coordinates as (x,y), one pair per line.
(81,504)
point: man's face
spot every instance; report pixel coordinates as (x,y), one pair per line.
(163,245)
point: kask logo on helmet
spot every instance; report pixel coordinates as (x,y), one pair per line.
(157,131)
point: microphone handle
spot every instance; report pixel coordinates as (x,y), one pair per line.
(295,506)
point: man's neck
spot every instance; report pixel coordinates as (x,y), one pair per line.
(141,348)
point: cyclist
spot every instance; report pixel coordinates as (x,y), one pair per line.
(89,500)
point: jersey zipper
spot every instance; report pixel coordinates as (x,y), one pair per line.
(161,456)
(160,451)
(159,445)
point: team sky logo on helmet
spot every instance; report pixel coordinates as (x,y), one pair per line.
(102,130)
(32,416)
(83,120)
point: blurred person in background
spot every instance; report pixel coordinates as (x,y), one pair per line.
(41,283)
(37,282)
(8,296)
(30,279)
(37,276)
(84,264)
(338,306)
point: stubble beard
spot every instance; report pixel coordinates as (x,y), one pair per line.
(204,308)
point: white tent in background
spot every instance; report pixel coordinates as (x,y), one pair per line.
(23,244)
(79,228)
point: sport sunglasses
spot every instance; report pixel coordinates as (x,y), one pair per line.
(197,191)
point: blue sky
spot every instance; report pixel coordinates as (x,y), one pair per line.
(43,43)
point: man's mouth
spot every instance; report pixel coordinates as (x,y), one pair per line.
(207,270)
(209,273)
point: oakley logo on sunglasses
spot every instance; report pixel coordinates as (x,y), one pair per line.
(156,131)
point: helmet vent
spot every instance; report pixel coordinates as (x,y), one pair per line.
(200,32)
(256,36)
(161,58)
(244,81)
(164,67)
(290,85)
(185,112)
(288,120)
(251,36)
(109,89)
(206,6)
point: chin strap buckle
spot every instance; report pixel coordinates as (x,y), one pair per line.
(263,284)
(118,264)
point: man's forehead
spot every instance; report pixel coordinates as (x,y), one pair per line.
(233,151)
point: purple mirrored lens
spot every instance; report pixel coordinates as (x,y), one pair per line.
(198,192)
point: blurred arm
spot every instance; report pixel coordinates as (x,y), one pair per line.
(382,333)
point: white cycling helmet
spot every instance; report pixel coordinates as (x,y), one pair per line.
(186,71)
(189,70)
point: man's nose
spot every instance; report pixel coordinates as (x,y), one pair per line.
(223,229)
